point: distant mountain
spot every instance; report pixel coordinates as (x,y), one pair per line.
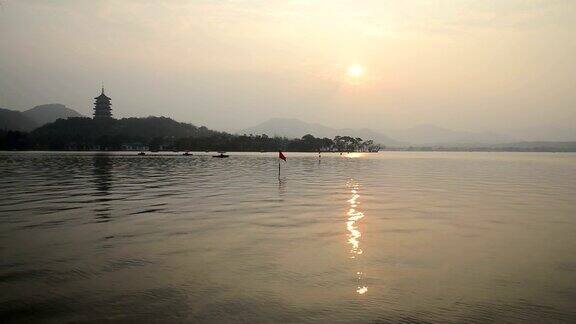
(434,135)
(539,146)
(45,114)
(15,120)
(546,133)
(295,128)
(288,127)
(35,117)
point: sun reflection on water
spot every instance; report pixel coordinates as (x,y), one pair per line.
(354,155)
(354,233)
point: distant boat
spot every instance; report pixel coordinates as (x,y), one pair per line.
(187,153)
(141,153)
(221,155)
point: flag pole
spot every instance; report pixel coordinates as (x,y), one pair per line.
(280,157)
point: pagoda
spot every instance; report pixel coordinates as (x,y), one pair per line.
(102,108)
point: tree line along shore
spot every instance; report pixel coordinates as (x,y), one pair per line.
(161,133)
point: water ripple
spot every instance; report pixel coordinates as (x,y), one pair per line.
(435,237)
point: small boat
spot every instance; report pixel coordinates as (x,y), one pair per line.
(187,153)
(221,155)
(141,153)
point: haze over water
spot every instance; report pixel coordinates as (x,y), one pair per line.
(394,236)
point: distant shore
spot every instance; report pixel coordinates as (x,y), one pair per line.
(397,149)
(165,134)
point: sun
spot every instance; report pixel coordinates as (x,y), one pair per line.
(355,71)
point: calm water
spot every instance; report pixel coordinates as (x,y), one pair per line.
(393,237)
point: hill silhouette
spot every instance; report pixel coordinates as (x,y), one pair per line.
(15,120)
(417,135)
(426,134)
(30,119)
(44,114)
(86,133)
(295,128)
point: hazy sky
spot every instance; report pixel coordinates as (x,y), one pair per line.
(230,64)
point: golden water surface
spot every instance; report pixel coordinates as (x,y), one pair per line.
(387,237)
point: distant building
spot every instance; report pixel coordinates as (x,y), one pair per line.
(135,147)
(102,110)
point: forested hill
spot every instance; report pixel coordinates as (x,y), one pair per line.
(83,133)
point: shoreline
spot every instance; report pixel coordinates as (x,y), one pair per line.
(172,153)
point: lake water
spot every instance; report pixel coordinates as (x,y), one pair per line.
(387,237)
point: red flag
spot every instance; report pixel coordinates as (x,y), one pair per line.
(281,156)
